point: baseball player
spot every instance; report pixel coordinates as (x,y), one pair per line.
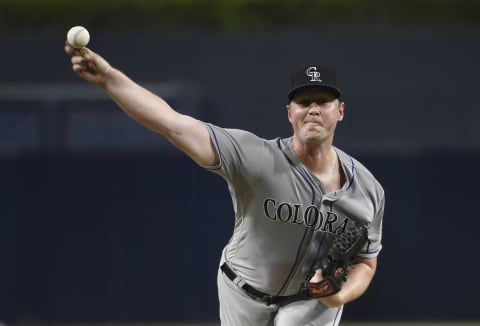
(292,198)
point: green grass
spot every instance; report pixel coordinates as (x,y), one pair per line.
(413,324)
(407,323)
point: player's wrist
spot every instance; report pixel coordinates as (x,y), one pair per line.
(334,300)
(110,78)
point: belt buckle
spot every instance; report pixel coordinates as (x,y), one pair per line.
(268,299)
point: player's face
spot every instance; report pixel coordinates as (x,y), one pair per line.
(314,113)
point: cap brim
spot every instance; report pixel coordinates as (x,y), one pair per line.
(334,90)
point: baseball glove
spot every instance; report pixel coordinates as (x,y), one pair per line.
(336,262)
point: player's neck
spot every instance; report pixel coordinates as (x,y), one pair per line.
(319,158)
(324,164)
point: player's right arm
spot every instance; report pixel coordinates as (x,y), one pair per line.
(188,134)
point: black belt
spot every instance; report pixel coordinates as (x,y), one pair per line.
(267,298)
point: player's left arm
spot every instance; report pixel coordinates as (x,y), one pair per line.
(362,269)
(359,278)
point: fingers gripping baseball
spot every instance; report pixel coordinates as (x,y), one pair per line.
(88,65)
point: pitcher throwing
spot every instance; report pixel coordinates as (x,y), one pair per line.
(308,216)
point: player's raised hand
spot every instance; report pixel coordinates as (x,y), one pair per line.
(88,64)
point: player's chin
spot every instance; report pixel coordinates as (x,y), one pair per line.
(313,135)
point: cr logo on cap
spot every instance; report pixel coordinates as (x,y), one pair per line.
(313,74)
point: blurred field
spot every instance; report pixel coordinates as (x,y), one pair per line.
(407,323)
(413,324)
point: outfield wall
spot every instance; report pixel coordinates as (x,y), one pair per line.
(101,220)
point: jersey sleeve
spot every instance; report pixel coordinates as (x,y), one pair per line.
(240,152)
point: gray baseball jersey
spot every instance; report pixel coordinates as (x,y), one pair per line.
(284,220)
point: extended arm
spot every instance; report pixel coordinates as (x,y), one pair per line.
(188,134)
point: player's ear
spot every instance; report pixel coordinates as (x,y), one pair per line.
(341,111)
(288,113)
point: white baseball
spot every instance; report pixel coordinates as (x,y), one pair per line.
(78,37)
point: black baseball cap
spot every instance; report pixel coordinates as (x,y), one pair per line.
(314,76)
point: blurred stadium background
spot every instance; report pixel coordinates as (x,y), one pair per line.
(104,223)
